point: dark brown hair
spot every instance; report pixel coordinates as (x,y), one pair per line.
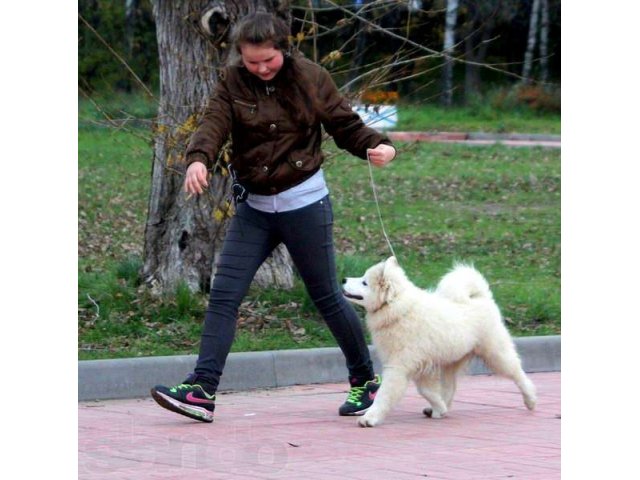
(261,27)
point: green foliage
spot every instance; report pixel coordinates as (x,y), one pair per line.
(98,68)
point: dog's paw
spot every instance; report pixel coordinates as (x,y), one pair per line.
(530,402)
(429,412)
(369,420)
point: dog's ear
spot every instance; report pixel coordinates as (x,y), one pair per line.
(388,280)
(391,266)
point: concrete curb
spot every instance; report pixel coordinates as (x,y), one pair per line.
(479,138)
(133,377)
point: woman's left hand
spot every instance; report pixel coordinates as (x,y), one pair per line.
(381,155)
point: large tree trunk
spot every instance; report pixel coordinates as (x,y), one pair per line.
(449,41)
(183,235)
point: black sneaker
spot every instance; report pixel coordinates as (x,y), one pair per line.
(186,399)
(360,398)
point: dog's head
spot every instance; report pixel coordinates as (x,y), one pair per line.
(377,288)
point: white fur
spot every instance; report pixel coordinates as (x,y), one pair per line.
(429,336)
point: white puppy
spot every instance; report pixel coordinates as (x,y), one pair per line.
(429,336)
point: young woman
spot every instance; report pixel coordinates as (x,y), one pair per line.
(273,103)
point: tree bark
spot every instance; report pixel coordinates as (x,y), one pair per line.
(183,235)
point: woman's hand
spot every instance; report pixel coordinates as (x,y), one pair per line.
(381,155)
(196,178)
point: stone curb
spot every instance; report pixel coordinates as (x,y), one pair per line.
(479,138)
(133,377)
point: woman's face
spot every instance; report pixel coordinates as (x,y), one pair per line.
(263,60)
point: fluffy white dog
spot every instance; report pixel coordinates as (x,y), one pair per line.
(429,336)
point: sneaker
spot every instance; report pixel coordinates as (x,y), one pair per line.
(360,398)
(186,399)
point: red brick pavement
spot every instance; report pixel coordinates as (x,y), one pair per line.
(295,432)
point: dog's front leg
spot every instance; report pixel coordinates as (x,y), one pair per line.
(394,384)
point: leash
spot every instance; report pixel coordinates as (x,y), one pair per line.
(375,197)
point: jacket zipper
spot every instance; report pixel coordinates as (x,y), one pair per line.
(251,106)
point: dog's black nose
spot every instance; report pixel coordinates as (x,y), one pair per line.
(344,280)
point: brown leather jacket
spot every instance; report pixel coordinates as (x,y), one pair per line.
(272,148)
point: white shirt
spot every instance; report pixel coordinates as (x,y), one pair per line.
(310,191)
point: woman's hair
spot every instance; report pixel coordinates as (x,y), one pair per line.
(261,27)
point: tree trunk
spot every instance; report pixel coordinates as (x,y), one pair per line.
(449,40)
(475,54)
(544,40)
(131,8)
(183,235)
(531,43)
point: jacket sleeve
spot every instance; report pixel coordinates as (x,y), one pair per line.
(214,127)
(342,123)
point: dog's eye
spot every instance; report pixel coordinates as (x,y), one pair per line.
(364,282)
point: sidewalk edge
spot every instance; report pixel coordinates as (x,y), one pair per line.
(133,377)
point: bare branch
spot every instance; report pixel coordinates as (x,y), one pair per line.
(434,53)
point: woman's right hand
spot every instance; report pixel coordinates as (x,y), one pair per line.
(196,178)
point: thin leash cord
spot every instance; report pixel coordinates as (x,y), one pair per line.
(375,196)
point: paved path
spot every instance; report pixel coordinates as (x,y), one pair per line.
(295,432)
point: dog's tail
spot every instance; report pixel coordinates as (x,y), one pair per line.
(464,283)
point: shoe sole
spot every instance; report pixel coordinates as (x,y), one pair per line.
(193,412)
(359,413)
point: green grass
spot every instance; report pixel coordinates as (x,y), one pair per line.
(476,119)
(117,107)
(497,207)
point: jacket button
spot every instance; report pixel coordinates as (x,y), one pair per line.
(265,168)
(272,127)
(299,163)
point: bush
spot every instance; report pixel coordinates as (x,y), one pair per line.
(533,97)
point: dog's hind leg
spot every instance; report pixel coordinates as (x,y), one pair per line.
(449,384)
(449,379)
(393,386)
(502,357)
(429,386)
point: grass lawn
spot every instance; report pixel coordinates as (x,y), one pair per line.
(497,207)
(475,119)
